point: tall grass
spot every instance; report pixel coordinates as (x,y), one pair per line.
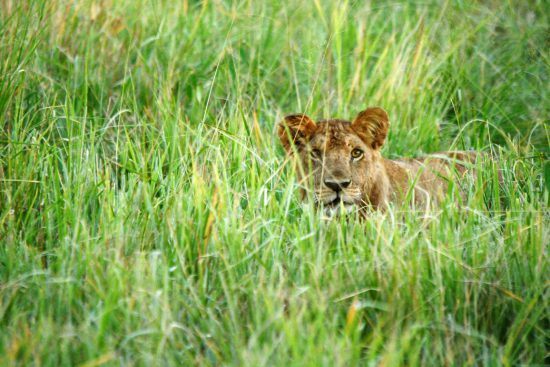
(148,216)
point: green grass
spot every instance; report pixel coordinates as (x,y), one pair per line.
(148,215)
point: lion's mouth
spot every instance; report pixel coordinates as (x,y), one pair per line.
(335,206)
(334,202)
(338,201)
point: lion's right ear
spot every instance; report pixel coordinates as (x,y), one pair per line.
(295,129)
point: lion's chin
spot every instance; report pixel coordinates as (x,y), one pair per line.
(335,211)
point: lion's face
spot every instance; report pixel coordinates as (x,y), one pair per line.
(338,161)
(338,157)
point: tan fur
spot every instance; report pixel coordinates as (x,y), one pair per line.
(325,150)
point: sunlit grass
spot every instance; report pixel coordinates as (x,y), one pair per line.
(148,215)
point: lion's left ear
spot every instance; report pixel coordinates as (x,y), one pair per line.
(372,126)
(295,129)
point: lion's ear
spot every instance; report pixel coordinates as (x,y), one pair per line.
(372,126)
(295,129)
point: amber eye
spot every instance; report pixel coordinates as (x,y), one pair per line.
(356,153)
(316,153)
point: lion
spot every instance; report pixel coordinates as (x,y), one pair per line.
(342,162)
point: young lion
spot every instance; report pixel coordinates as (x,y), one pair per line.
(347,170)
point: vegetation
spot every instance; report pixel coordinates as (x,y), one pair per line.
(148,215)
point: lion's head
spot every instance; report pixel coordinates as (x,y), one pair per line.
(338,157)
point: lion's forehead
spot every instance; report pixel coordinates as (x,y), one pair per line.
(334,134)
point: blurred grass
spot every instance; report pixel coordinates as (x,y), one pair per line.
(148,216)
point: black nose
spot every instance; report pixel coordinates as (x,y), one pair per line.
(337,185)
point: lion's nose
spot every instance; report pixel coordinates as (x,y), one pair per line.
(337,185)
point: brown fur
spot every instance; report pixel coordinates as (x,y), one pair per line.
(326,152)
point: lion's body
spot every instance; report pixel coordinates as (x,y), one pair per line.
(343,161)
(428,177)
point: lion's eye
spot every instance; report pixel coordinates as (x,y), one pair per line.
(316,153)
(356,153)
